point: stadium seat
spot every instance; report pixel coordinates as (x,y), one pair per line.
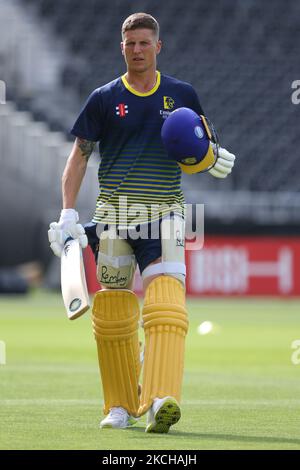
(238,55)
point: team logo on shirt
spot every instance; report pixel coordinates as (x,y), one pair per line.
(168,102)
(189,160)
(122,110)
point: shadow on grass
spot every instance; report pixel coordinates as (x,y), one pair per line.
(218,437)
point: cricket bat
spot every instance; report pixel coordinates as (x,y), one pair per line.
(73,283)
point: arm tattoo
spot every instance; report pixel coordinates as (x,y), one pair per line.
(86,147)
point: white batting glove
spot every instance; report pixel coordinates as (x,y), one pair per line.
(224,164)
(66,227)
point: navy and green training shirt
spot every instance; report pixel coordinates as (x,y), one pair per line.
(134,164)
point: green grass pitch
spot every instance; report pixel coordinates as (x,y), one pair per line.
(241,389)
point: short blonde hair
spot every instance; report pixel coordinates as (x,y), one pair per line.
(140,21)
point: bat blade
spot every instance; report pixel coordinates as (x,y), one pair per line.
(73,282)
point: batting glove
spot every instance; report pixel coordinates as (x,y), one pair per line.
(66,227)
(223,165)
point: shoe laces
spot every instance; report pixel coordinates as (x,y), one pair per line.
(118,412)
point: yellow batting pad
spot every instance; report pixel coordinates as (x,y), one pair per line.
(165,325)
(115,323)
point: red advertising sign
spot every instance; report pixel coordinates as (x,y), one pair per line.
(245,266)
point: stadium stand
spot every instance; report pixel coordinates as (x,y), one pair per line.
(240,55)
(29,190)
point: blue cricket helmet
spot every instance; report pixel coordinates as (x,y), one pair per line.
(187,139)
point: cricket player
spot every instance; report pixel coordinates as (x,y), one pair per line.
(126,116)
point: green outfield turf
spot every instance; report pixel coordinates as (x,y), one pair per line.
(241,390)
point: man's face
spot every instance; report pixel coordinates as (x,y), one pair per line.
(140,48)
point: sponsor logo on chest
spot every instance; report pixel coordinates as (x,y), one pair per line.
(169,104)
(122,110)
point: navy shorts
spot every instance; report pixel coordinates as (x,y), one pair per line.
(146,250)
